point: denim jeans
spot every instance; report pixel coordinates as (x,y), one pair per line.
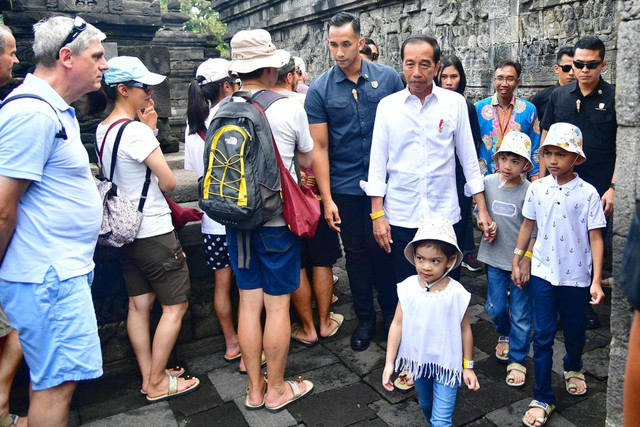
(436,401)
(511,314)
(368,266)
(571,303)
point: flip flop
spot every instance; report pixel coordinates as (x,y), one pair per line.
(335,279)
(173,390)
(263,361)
(548,409)
(571,385)
(232,358)
(297,394)
(338,318)
(9,420)
(504,357)
(510,377)
(249,406)
(294,336)
(401,383)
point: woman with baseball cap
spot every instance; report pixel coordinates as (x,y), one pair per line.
(154,264)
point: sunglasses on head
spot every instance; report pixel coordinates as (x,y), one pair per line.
(79,25)
(590,65)
(565,68)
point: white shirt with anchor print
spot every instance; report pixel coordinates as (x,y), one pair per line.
(564,214)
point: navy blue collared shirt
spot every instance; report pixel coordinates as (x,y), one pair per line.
(349,110)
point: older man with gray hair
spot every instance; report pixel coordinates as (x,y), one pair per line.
(50,215)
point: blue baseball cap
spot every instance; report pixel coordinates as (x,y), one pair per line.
(129,68)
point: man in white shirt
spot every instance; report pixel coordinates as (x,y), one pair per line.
(416,134)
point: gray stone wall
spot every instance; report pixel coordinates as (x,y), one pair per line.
(480,32)
(627,193)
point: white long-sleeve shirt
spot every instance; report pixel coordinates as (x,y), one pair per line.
(412,156)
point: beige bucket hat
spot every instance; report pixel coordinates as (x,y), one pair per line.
(252,49)
(435,229)
(568,137)
(517,143)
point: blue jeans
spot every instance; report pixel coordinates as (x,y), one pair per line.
(436,400)
(511,315)
(571,303)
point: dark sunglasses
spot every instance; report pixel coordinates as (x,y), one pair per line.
(374,56)
(145,87)
(565,68)
(590,65)
(299,72)
(79,25)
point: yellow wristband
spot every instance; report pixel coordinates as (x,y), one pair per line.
(518,252)
(376,215)
(467,364)
(528,254)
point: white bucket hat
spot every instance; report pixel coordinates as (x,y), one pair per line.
(568,137)
(252,49)
(213,70)
(517,143)
(129,68)
(435,229)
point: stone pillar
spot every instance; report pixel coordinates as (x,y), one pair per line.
(627,194)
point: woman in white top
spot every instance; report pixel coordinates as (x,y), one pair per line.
(211,85)
(154,264)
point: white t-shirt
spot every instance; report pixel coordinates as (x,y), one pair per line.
(136,144)
(193,161)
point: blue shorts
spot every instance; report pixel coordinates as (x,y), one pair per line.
(57,327)
(274,259)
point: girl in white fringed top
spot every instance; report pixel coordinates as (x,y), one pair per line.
(430,335)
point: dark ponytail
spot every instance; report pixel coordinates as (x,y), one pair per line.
(99,100)
(200,99)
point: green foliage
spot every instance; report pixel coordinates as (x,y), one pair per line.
(204,20)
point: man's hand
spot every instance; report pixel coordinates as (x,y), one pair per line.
(382,233)
(607,202)
(331,215)
(148,115)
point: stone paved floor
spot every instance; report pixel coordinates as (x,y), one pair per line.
(348,387)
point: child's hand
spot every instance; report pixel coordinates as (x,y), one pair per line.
(386,377)
(525,271)
(515,274)
(470,379)
(597,295)
(493,230)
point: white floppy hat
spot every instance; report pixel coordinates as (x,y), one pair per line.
(517,143)
(129,68)
(213,70)
(568,137)
(435,229)
(252,49)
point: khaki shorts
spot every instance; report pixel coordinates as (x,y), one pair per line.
(5,328)
(156,264)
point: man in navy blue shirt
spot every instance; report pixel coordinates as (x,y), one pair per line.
(341,106)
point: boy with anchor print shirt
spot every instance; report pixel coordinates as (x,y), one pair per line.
(569,248)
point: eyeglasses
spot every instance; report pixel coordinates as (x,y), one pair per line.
(145,87)
(590,65)
(79,25)
(375,56)
(501,79)
(565,68)
(299,72)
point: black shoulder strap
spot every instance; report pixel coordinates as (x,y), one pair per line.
(114,155)
(265,98)
(62,133)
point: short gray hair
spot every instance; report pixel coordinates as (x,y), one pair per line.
(4,30)
(49,34)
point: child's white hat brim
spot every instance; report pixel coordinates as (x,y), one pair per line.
(434,229)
